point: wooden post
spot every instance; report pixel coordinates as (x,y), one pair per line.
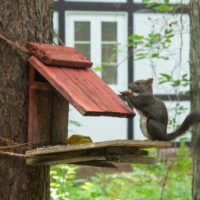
(46,123)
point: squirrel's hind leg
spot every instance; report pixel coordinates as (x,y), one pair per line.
(157,130)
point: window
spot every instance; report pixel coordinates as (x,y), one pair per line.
(82,37)
(98,36)
(109,55)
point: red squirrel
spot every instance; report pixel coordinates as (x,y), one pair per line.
(153,112)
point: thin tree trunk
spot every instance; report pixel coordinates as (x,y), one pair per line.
(20,21)
(195,91)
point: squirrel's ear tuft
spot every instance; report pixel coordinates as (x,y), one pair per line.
(149,81)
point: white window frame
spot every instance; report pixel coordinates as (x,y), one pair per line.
(55,26)
(95,19)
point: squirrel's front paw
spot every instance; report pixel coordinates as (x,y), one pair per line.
(126,93)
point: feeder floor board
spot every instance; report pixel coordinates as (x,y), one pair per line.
(101,154)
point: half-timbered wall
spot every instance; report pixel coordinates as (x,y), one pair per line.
(83,24)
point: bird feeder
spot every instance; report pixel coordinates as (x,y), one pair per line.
(59,76)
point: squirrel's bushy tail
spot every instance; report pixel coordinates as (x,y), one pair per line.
(191,119)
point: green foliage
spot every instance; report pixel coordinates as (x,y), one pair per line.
(155,44)
(183,160)
(158,5)
(63,183)
(75,123)
(144,182)
(182,81)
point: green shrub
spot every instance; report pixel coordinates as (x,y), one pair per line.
(153,182)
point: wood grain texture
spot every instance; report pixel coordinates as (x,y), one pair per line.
(96,154)
(195,94)
(58,55)
(48,113)
(84,90)
(55,161)
(114,143)
(20,21)
(84,160)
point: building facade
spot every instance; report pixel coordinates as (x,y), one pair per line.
(103,30)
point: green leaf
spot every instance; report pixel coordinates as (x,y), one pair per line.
(162,82)
(170,36)
(149,5)
(176,83)
(168,41)
(136,37)
(168,31)
(155,55)
(74,123)
(164,8)
(140,58)
(184,76)
(167,76)
(97,69)
(148,45)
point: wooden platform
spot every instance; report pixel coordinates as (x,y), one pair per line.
(101,154)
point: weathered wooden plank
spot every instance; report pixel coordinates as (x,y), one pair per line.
(42,86)
(89,153)
(59,124)
(106,92)
(57,160)
(97,163)
(79,79)
(85,80)
(85,99)
(98,145)
(77,95)
(58,55)
(96,160)
(130,158)
(50,108)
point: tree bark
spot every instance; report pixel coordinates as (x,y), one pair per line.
(20,21)
(195,91)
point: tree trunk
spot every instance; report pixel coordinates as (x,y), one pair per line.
(195,91)
(20,21)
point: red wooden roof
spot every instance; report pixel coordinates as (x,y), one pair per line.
(87,92)
(84,90)
(58,55)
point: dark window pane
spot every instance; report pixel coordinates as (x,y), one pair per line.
(82,31)
(109,53)
(109,31)
(84,49)
(109,74)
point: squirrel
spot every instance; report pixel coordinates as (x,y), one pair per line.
(153,112)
